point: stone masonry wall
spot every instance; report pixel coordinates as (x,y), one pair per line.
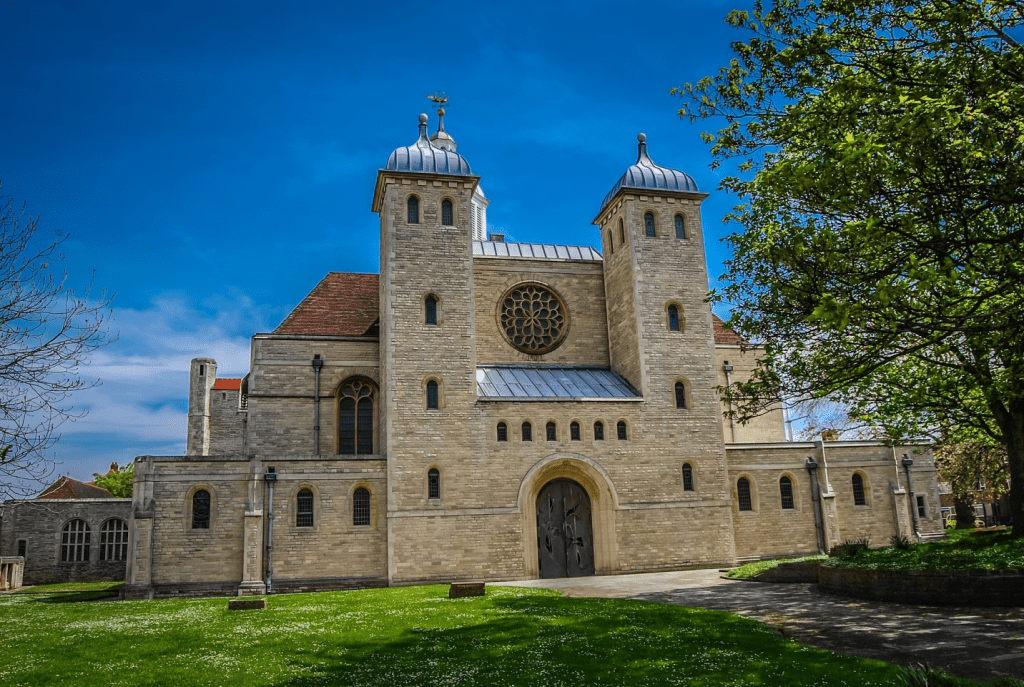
(227,422)
(582,288)
(40,523)
(282,384)
(769,531)
(768,427)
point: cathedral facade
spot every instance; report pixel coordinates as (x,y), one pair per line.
(489,410)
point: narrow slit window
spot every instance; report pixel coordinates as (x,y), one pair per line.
(786,493)
(433,484)
(621,429)
(649,224)
(22,547)
(447,215)
(611,244)
(859,498)
(622,232)
(552,432)
(598,431)
(114,540)
(201,510)
(430,310)
(432,399)
(527,431)
(680,227)
(673,318)
(502,431)
(361,507)
(574,431)
(687,477)
(680,395)
(920,507)
(304,508)
(743,493)
(413,207)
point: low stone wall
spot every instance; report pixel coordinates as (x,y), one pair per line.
(937,588)
(12,568)
(791,572)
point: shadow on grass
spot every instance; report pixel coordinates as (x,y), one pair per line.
(547,640)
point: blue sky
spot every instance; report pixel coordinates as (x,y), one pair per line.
(211,161)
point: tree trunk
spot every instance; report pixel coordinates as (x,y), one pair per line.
(963,505)
(1013,432)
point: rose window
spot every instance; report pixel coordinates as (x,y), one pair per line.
(533,318)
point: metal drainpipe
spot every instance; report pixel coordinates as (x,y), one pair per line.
(317,364)
(812,471)
(728,382)
(270,477)
(907,462)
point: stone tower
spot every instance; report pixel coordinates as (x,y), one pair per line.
(202,375)
(661,335)
(424,198)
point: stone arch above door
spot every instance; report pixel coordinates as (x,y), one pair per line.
(603,502)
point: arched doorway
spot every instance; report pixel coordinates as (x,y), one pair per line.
(565,532)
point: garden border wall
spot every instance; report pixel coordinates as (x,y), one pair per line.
(930,587)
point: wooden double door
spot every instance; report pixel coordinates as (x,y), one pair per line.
(565,531)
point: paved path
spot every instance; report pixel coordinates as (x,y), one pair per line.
(970,642)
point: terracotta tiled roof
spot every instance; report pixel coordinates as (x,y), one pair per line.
(67,488)
(724,335)
(227,384)
(342,304)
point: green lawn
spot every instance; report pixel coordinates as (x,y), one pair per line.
(963,550)
(748,570)
(406,636)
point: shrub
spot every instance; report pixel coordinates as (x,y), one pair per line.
(900,542)
(849,549)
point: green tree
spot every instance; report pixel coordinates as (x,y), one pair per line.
(46,333)
(118,483)
(881,251)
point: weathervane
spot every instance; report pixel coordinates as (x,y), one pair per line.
(439,97)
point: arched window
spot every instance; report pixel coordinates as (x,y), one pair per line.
(361,506)
(611,243)
(447,216)
(786,492)
(574,431)
(201,510)
(649,224)
(858,490)
(621,429)
(433,484)
(673,318)
(355,422)
(114,540)
(680,395)
(502,431)
(552,432)
(304,508)
(74,542)
(432,399)
(527,431)
(413,207)
(687,477)
(680,227)
(743,493)
(622,232)
(430,310)
(598,431)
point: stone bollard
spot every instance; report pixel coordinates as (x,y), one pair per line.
(246,604)
(458,590)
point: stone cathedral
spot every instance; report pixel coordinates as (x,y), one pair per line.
(490,410)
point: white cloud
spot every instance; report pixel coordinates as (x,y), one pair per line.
(140,407)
